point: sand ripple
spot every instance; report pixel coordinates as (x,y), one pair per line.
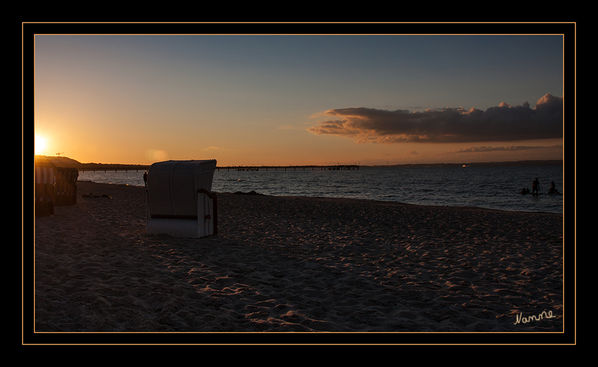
(296,264)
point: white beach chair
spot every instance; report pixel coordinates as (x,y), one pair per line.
(179,198)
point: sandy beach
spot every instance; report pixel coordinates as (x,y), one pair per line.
(297,264)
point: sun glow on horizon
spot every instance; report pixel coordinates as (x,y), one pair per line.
(41,144)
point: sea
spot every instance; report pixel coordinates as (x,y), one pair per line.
(489,186)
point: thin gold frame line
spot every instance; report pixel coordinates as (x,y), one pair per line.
(305,344)
(564,182)
(22,123)
(291,22)
(539,332)
(574,182)
(301,332)
(299,34)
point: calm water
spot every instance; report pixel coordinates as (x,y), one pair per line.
(495,187)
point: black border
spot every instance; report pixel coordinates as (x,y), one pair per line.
(31,27)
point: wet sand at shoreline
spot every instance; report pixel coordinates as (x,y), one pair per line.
(296,264)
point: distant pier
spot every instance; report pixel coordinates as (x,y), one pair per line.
(139,167)
(340,167)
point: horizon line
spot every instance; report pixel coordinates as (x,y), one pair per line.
(323,165)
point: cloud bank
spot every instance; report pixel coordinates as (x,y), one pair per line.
(448,125)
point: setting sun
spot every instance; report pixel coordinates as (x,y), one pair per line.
(41,144)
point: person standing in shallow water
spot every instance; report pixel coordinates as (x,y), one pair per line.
(535,187)
(553,190)
(145,178)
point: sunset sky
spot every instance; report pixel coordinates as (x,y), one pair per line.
(289,100)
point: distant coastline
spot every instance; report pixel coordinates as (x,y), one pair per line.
(72,163)
(492,164)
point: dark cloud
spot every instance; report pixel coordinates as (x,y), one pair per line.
(448,125)
(484,149)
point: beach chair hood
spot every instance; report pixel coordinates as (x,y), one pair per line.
(173,185)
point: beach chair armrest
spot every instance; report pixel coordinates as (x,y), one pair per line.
(214,216)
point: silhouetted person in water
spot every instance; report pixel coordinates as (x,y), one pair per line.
(553,190)
(145,178)
(535,187)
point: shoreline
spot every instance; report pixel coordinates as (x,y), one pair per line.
(293,263)
(353,198)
